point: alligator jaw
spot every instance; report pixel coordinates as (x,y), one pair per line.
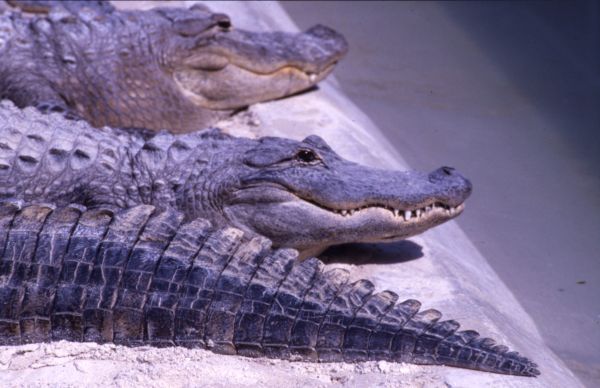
(394,223)
(415,215)
(239,67)
(308,226)
(210,89)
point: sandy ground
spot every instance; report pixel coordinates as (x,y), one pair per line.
(71,365)
(441,268)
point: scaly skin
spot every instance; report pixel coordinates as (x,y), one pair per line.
(168,68)
(45,6)
(140,276)
(298,194)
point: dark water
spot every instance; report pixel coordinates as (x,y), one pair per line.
(509,93)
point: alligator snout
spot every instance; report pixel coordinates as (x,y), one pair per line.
(330,35)
(456,186)
(329,46)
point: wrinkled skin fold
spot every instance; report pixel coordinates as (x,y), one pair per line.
(165,68)
(299,194)
(142,276)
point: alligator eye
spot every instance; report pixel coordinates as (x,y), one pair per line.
(306,156)
(224,24)
(222,21)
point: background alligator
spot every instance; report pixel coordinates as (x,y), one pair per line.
(140,276)
(298,194)
(166,68)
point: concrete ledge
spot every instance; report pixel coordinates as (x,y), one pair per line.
(451,275)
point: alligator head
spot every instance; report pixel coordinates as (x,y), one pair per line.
(303,195)
(175,68)
(227,68)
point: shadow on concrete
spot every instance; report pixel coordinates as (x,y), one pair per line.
(390,253)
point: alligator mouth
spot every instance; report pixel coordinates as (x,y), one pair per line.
(294,220)
(311,75)
(401,223)
(205,88)
(418,214)
(221,61)
(412,215)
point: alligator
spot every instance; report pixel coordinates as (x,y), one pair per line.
(165,68)
(299,194)
(143,276)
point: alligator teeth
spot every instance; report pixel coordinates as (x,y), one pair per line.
(406,214)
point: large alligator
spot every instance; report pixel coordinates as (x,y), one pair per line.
(299,194)
(141,276)
(166,68)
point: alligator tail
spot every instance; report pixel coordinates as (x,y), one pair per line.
(140,276)
(337,321)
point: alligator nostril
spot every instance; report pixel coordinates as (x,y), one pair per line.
(448,170)
(445,173)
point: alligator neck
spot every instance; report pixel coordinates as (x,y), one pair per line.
(185,172)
